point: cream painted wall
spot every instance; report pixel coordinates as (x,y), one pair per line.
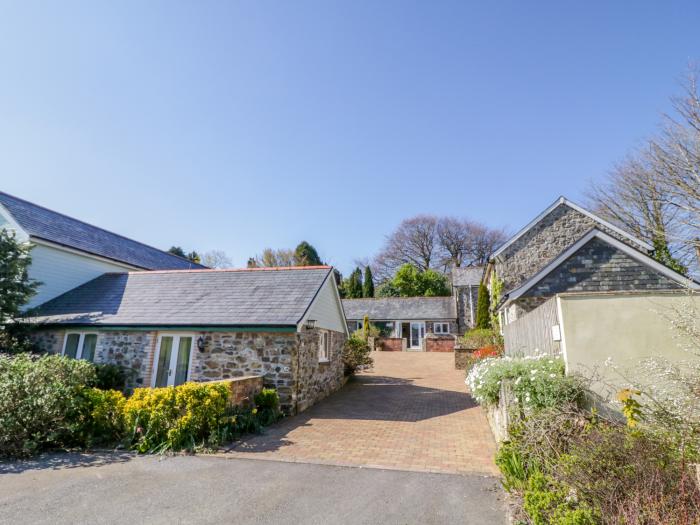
(626,328)
(60,270)
(326,309)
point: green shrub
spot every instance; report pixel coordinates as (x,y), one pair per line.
(102,422)
(111,377)
(268,404)
(481,338)
(41,405)
(356,354)
(176,418)
(547,502)
(536,382)
(483,307)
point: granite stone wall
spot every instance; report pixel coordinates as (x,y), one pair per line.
(464,307)
(543,243)
(316,380)
(236,354)
(287,362)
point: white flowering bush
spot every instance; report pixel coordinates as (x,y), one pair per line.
(536,382)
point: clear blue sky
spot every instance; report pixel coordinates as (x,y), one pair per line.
(241,125)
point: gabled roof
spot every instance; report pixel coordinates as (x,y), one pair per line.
(467,275)
(41,223)
(562,201)
(246,297)
(609,239)
(401,308)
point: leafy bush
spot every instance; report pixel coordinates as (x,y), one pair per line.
(548,502)
(102,421)
(481,338)
(175,418)
(41,405)
(536,382)
(356,354)
(110,377)
(268,404)
(570,466)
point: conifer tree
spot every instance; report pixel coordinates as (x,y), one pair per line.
(368,284)
(483,305)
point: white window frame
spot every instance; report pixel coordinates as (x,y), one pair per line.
(444,328)
(81,342)
(173,356)
(324,346)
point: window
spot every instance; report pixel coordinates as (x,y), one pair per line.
(80,345)
(324,347)
(441,328)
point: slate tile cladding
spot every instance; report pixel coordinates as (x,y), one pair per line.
(544,242)
(55,227)
(288,362)
(599,267)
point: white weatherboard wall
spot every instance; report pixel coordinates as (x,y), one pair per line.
(326,309)
(60,270)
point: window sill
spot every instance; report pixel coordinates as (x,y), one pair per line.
(324,361)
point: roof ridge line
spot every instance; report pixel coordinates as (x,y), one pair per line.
(94,226)
(225,270)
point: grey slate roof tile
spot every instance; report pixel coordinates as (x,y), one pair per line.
(55,227)
(401,308)
(189,298)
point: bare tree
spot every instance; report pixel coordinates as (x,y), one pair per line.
(216,259)
(429,242)
(415,241)
(270,258)
(655,193)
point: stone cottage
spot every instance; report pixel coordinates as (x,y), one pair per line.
(568,249)
(426,324)
(169,327)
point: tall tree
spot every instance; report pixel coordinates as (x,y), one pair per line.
(409,281)
(368,283)
(354,288)
(483,305)
(16,288)
(216,259)
(192,256)
(306,255)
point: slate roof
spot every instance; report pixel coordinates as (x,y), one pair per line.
(42,223)
(265,296)
(467,276)
(400,308)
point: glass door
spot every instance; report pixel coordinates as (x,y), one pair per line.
(173,360)
(417,335)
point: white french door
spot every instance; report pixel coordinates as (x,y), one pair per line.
(416,336)
(172,360)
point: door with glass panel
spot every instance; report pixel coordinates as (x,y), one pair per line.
(172,360)
(417,335)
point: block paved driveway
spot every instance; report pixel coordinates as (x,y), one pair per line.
(411,412)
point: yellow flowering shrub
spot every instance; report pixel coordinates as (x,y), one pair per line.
(175,418)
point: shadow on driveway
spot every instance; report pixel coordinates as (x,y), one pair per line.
(66,460)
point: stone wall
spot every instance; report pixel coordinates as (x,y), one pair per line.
(131,350)
(242,390)
(316,380)
(462,357)
(543,243)
(236,354)
(464,307)
(287,362)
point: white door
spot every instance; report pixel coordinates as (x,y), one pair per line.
(172,360)
(417,335)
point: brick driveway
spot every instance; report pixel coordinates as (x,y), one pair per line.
(411,412)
